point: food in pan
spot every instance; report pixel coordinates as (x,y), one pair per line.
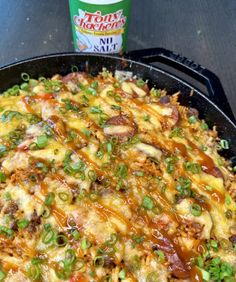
(106,179)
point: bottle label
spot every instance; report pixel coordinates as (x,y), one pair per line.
(99,29)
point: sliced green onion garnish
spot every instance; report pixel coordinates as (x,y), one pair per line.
(70,257)
(34,272)
(74,68)
(49,199)
(193,167)
(86,132)
(61,240)
(91,91)
(85,244)
(196,210)
(152,277)
(192,119)
(113,239)
(140,83)
(23,223)
(48,236)
(2,275)
(6,231)
(24,86)
(2,177)
(160,254)
(25,76)
(64,196)
(139,173)
(92,175)
(122,274)
(42,141)
(148,203)
(155,93)
(94,84)
(3,149)
(224,144)
(214,245)
(116,107)
(75,234)
(98,261)
(204,126)
(205,275)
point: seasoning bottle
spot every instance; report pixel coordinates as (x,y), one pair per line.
(100,26)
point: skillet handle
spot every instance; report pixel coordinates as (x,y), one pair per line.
(215,90)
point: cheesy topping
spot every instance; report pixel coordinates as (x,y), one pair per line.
(104,179)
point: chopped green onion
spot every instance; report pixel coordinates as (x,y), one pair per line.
(170,167)
(36,261)
(140,83)
(146,117)
(42,141)
(113,239)
(193,167)
(116,107)
(46,212)
(70,257)
(34,272)
(204,126)
(85,244)
(86,132)
(109,148)
(75,234)
(160,254)
(91,91)
(94,84)
(122,171)
(49,199)
(3,150)
(209,188)
(98,261)
(192,119)
(33,82)
(148,203)
(117,98)
(74,68)
(92,175)
(96,110)
(139,173)
(177,132)
(205,275)
(6,231)
(227,200)
(47,226)
(214,245)
(196,210)
(61,240)
(23,223)
(25,76)
(2,177)
(2,275)
(48,236)
(9,115)
(122,274)
(64,196)
(224,144)
(116,84)
(155,93)
(24,86)
(153,277)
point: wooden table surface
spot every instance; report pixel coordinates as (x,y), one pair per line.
(202,30)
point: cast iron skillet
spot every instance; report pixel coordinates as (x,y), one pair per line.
(212,105)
